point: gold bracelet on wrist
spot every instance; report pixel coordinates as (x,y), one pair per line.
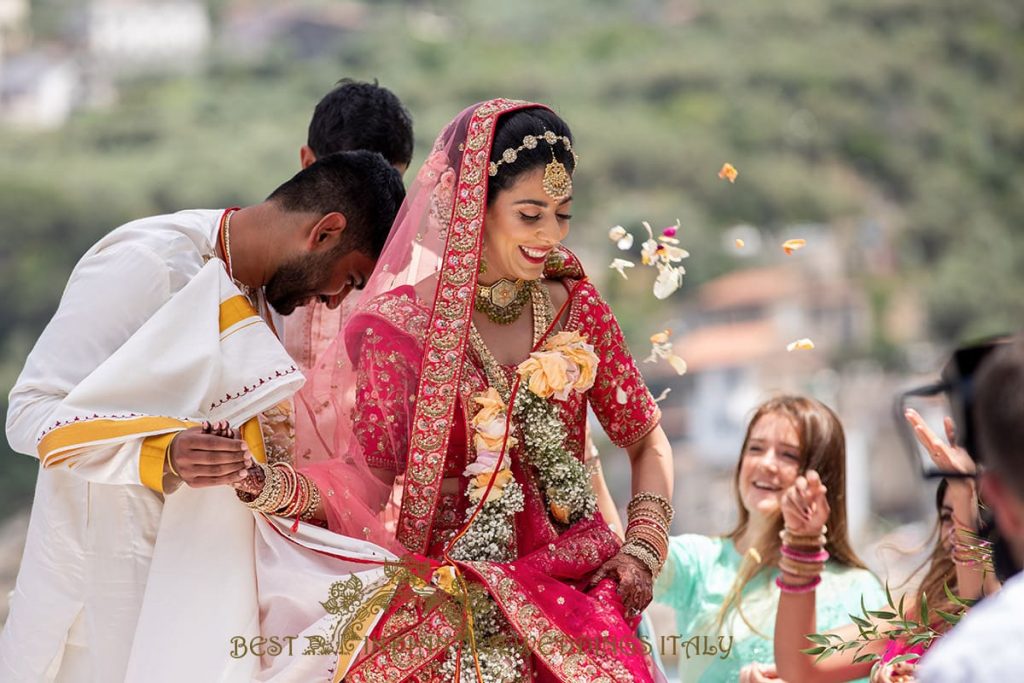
(644,555)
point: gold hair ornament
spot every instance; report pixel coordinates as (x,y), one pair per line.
(557,180)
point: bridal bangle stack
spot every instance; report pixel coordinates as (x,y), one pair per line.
(649,518)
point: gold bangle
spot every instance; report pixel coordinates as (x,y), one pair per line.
(314,502)
(167,457)
(646,557)
(648,497)
(271,489)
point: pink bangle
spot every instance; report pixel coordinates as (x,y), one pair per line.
(799,556)
(788,588)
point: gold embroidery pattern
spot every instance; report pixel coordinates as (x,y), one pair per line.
(278,426)
(403,310)
(404,656)
(625,424)
(556,648)
(445,338)
(384,386)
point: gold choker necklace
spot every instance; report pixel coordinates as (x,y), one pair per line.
(503,301)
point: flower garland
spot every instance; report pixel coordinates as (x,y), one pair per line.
(565,364)
(489,537)
(499,653)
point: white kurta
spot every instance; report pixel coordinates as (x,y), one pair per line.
(92,532)
(981,647)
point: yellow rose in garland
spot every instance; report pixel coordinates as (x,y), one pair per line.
(547,374)
(491,407)
(580,354)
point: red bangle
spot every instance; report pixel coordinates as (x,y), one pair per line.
(800,556)
(790,588)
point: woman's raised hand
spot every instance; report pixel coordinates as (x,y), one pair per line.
(947,456)
(805,508)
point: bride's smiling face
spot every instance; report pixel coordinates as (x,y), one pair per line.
(522,225)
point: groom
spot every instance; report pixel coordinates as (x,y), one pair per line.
(99,501)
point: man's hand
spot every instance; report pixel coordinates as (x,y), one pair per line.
(209,455)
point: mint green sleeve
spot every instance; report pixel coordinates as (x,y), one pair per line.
(679,579)
(840,595)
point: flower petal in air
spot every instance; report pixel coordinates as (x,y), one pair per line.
(661,337)
(649,252)
(620,265)
(678,364)
(669,280)
(804,344)
(728,172)
(789,246)
(622,238)
(740,243)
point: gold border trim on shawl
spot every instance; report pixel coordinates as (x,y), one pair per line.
(234,310)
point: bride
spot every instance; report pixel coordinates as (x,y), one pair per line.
(446,428)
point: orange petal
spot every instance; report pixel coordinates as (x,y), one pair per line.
(661,337)
(728,172)
(789,246)
(740,243)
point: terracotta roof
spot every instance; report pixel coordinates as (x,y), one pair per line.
(728,345)
(749,287)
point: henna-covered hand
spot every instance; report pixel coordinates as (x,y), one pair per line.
(634,579)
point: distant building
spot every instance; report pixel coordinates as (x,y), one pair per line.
(297,31)
(132,36)
(740,327)
(38,89)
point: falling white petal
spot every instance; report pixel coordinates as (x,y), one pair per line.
(669,280)
(620,265)
(804,344)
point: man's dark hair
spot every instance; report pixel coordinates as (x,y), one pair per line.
(361,185)
(357,115)
(999,413)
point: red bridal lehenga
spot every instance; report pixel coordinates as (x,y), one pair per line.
(397,394)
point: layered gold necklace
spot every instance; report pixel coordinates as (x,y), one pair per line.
(543,316)
(503,301)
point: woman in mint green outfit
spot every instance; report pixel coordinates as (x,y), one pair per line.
(722,588)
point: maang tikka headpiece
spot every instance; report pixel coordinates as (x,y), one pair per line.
(557,181)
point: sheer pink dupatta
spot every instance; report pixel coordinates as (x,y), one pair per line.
(327,447)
